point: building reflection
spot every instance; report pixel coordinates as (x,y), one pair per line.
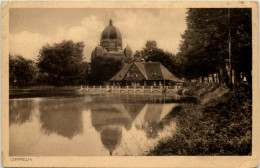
(149,119)
(21,111)
(109,120)
(62,117)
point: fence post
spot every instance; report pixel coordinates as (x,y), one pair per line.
(119,88)
(100,88)
(127,89)
(143,89)
(151,89)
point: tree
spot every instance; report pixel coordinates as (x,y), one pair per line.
(22,71)
(84,71)
(61,63)
(150,45)
(154,54)
(204,48)
(241,42)
(103,69)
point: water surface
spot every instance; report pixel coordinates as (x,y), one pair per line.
(90,125)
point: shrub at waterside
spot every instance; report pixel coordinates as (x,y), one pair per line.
(223,126)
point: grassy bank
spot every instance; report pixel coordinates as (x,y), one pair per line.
(220,125)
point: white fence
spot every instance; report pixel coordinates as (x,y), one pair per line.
(130,89)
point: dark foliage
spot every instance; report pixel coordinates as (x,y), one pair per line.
(22,71)
(204,48)
(61,64)
(222,127)
(154,54)
(103,69)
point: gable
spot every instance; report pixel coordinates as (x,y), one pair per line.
(121,74)
(141,67)
(134,74)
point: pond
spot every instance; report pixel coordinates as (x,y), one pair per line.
(89,125)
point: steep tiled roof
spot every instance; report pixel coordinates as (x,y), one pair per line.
(168,75)
(141,67)
(121,74)
(153,70)
(150,70)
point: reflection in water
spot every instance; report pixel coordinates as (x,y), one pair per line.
(20,111)
(61,117)
(111,137)
(134,109)
(109,120)
(106,124)
(150,116)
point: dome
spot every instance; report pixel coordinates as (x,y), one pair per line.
(111,32)
(128,51)
(98,51)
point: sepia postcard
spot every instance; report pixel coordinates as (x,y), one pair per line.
(130,84)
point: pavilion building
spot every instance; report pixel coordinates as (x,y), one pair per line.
(144,74)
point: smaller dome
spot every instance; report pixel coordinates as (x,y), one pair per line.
(128,51)
(99,51)
(105,51)
(93,54)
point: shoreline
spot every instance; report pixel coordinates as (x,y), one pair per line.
(50,92)
(219,125)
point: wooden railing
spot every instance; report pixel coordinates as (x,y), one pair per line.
(130,89)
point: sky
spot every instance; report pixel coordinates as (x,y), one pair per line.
(30,29)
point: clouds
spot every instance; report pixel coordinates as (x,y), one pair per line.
(136,26)
(29,44)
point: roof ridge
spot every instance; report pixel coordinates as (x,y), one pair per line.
(165,71)
(120,72)
(145,76)
(161,69)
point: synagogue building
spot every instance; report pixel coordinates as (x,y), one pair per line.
(111,44)
(132,73)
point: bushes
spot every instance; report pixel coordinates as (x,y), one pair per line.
(221,127)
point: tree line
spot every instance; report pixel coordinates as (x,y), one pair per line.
(62,64)
(59,64)
(215,40)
